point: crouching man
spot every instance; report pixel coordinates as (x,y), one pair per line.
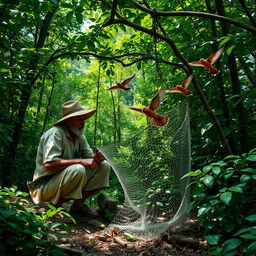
(66,167)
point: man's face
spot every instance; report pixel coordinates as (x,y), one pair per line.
(76,125)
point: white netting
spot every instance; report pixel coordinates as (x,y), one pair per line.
(149,167)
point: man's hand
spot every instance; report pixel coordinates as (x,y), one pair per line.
(98,157)
(89,162)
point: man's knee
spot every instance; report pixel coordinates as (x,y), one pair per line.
(104,167)
(77,170)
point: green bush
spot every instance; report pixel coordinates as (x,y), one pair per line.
(224,196)
(25,230)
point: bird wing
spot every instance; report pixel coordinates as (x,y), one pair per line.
(116,87)
(126,81)
(186,82)
(161,121)
(155,103)
(196,63)
(135,109)
(212,58)
(175,89)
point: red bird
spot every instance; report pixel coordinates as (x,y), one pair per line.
(182,88)
(207,63)
(121,86)
(158,120)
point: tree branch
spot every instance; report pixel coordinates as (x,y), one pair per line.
(197,14)
(170,42)
(252,20)
(114,58)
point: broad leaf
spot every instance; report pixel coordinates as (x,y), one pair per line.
(208,180)
(231,244)
(226,198)
(216,170)
(213,239)
(204,209)
(251,158)
(236,189)
(251,218)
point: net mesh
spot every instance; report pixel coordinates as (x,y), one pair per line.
(149,167)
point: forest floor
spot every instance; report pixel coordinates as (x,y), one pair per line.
(91,237)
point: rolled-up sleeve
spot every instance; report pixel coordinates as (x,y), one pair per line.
(52,149)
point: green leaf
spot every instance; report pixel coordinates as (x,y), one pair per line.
(66,5)
(241,231)
(248,236)
(251,158)
(225,39)
(231,254)
(251,218)
(252,151)
(244,178)
(208,180)
(79,17)
(228,174)
(252,246)
(250,170)
(207,168)
(206,128)
(236,189)
(231,156)
(213,239)
(204,209)
(216,170)
(231,244)
(91,45)
(7,213)
(69,16)
(159,204)
(254,176)
(226,198)
(230,49)
(191,174)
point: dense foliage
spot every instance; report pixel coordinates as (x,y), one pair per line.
(224,196)
(26,230)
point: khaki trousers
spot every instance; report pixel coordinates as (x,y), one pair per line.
(71,182)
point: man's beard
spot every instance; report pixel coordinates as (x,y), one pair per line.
(77,130)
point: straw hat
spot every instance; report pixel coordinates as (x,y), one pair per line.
(73,108)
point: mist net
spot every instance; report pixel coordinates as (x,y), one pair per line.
(149,167)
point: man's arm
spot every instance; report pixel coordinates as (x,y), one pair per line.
(60,164)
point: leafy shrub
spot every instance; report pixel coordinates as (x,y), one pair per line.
(23,229)
(224,195)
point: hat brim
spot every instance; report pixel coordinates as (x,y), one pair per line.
(85,113)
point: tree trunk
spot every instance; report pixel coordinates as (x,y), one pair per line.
(236,86)
(40,99)
(114,113)
(97,107)
(11,150)
(48,104)
(250,75)
(219,82)
(252,20)
(118,118)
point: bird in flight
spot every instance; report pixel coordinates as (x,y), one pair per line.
(182,88)
(207,63)
(150,111)
(121,86)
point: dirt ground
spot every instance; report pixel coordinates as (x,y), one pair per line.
(91,237)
